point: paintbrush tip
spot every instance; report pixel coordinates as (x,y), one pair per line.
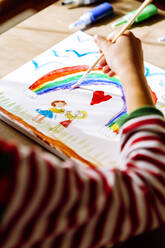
(77,85)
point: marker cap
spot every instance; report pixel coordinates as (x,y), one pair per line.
(92,16)
(101,11)
(147,12)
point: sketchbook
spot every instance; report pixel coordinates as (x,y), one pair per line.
(37,99)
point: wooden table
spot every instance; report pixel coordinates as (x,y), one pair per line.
(48,27)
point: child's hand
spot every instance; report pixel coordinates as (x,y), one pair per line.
(122,57)
(125,58)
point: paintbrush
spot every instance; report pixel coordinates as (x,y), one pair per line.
(125,27)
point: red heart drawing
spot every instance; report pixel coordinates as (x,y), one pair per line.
(98,97)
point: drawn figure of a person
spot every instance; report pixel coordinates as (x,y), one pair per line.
(58,107)
(80,114)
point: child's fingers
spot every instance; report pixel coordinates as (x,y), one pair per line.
(102,42)
(112,35)
(106,69)
(102,62)
(128,32)
(111,73)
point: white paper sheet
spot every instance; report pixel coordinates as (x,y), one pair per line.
(37,99)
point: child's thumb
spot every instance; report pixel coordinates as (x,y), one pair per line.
(101,42)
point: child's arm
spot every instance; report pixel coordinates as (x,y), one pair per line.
(48,203)
(125,58)
(45,201)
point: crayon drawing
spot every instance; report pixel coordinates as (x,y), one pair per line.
(80,123)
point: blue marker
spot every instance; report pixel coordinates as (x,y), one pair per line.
(162,39)
(92,16)
(78,2)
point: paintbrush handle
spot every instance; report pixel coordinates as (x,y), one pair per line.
(96,62)
(128,24)
(88,71)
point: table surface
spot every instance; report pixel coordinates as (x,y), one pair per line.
(43,30)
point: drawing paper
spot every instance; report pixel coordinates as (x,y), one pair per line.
(37,99)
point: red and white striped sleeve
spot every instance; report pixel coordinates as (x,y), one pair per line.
(45,202)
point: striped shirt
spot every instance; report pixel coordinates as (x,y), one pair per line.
(47,203)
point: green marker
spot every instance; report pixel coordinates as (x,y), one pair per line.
(149,11)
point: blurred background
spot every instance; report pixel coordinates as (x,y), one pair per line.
(13,12)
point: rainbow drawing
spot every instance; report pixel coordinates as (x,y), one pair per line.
(64,78)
